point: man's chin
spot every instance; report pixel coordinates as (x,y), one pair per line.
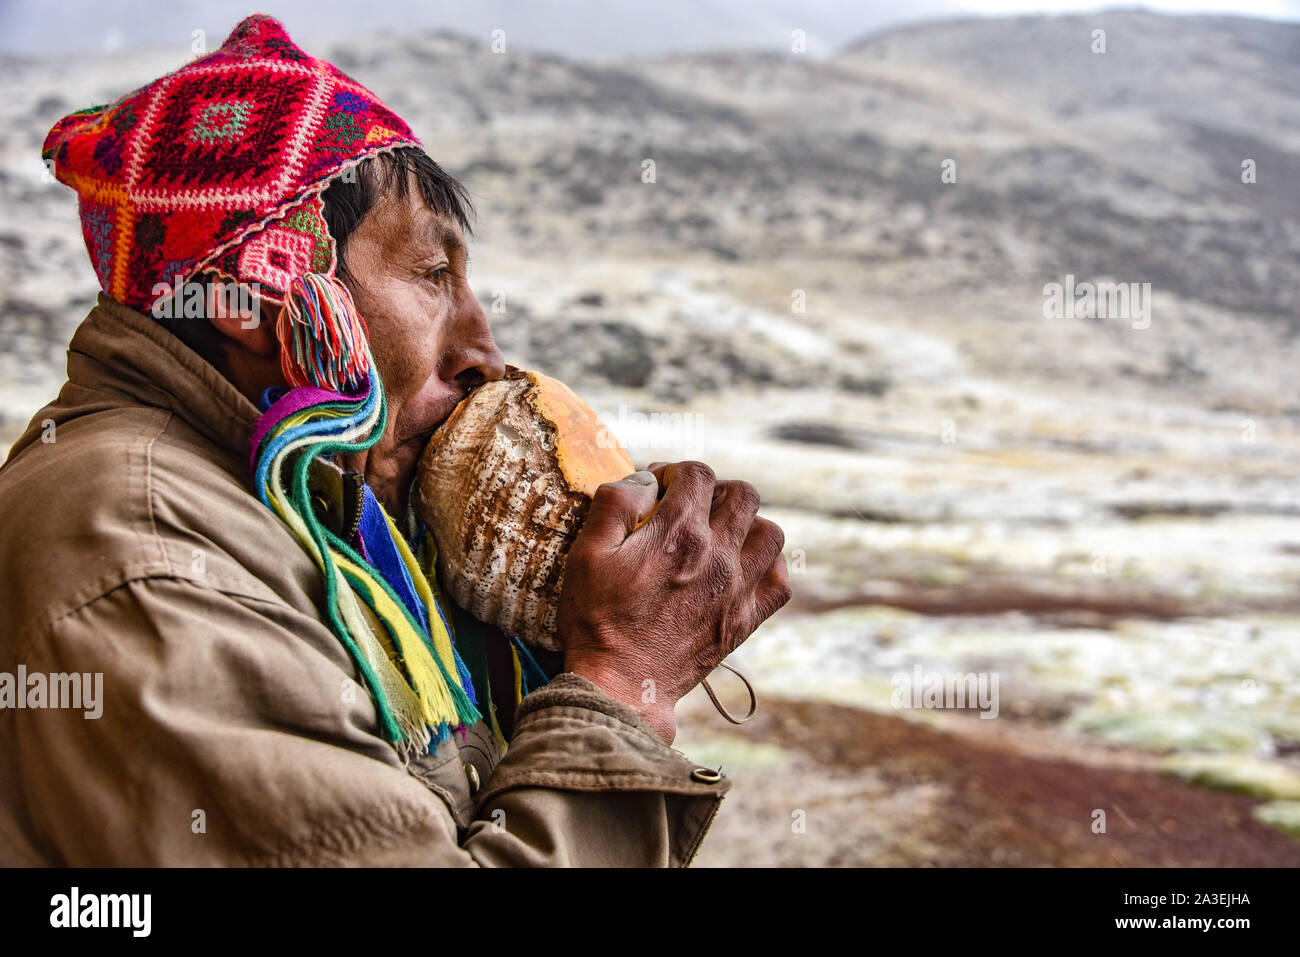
(392,471)
(404,466)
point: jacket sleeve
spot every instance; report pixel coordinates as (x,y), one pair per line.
(232,732)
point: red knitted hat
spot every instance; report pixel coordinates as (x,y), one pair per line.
(219,166)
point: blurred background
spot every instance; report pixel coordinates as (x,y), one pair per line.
(811,244)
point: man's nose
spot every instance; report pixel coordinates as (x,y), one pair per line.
(473,357)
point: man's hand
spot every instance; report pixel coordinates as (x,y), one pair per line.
(671,572)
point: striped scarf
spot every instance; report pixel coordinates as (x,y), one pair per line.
(380,600)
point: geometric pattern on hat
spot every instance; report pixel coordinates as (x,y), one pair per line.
(285,249)
(173,177)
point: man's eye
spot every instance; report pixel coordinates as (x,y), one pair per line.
(438,273)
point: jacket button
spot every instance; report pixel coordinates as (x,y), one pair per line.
(706,775)
(471,773)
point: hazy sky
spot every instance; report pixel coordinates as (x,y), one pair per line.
(581,28)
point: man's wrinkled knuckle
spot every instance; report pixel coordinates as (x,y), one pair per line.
(768,533)
(610,491)
(745,496)
(690,541)
(698,472)
(614,497)
(775,597)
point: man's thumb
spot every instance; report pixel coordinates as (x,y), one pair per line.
(619,507)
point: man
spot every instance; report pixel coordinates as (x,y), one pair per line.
(241,717)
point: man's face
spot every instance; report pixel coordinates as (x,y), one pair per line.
(428,333)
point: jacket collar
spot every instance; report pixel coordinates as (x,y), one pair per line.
(120,351)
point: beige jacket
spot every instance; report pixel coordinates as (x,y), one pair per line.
(233,728)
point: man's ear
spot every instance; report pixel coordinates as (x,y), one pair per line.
(246,320)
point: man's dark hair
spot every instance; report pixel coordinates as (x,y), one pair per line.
(347,201)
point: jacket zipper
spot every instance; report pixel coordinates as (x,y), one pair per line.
(354,502)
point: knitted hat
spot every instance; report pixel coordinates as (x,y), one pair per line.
(219,166)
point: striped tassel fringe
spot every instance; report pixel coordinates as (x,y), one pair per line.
(323,339)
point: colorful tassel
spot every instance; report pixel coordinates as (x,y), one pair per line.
(323,339)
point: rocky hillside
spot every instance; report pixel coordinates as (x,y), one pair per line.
(1123,165)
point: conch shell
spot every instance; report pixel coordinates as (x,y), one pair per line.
(504,486)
